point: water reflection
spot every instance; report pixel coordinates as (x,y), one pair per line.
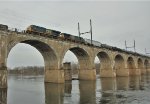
(108,84)
(118,90)
(108,87)
(87,92)
(54,93)
(68,88)
(3,96)
(68,94)
(122,83)
(134,82)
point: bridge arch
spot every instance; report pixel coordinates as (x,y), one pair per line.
(105,64)
(146,65)
(131,66)
(84,61)
(49,55)
(82,56)
(141,66)
(119,65)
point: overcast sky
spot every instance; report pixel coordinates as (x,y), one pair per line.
(113,21)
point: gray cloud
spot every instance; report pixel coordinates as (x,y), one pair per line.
(113,21)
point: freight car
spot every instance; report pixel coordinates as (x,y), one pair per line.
(106,46)
(68,37)
(77,39)
(94,43)
(42,31)
(117,49)
(52,33)
(65,36)
(3,27)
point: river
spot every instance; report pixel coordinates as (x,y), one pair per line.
(120,90)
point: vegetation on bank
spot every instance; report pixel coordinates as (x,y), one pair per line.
(29,70)
(39,70)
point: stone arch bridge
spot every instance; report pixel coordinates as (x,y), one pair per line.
(113,63)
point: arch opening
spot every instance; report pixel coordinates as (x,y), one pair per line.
(140,63)
(82,57)
(105,65)
(70,65)
(25,59)
(97,65)
(105,61)
(47,53)
(119,66)
(131,66)
(146,65)
(140,66)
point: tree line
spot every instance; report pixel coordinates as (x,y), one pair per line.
(28,70)
(39,70)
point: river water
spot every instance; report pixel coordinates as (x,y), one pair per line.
(120,90)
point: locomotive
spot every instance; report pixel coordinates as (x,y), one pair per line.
(3,27)
(42,31)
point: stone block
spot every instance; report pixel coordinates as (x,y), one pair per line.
(122,72)
(54,76)
(134,72)
(3,78)
(107,73)
(87,74)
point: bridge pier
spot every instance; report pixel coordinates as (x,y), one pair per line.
(67,71)
(107,73)
(3,96)
(138,71)
(122,72)
(143,71)
(68,88)
(3,77)
(87,92)
(54,93)
(87,74)
(148,70)
(134,72)
(54,76)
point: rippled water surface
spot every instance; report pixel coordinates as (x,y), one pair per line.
(121,90)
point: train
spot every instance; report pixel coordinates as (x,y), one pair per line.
(42,31)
